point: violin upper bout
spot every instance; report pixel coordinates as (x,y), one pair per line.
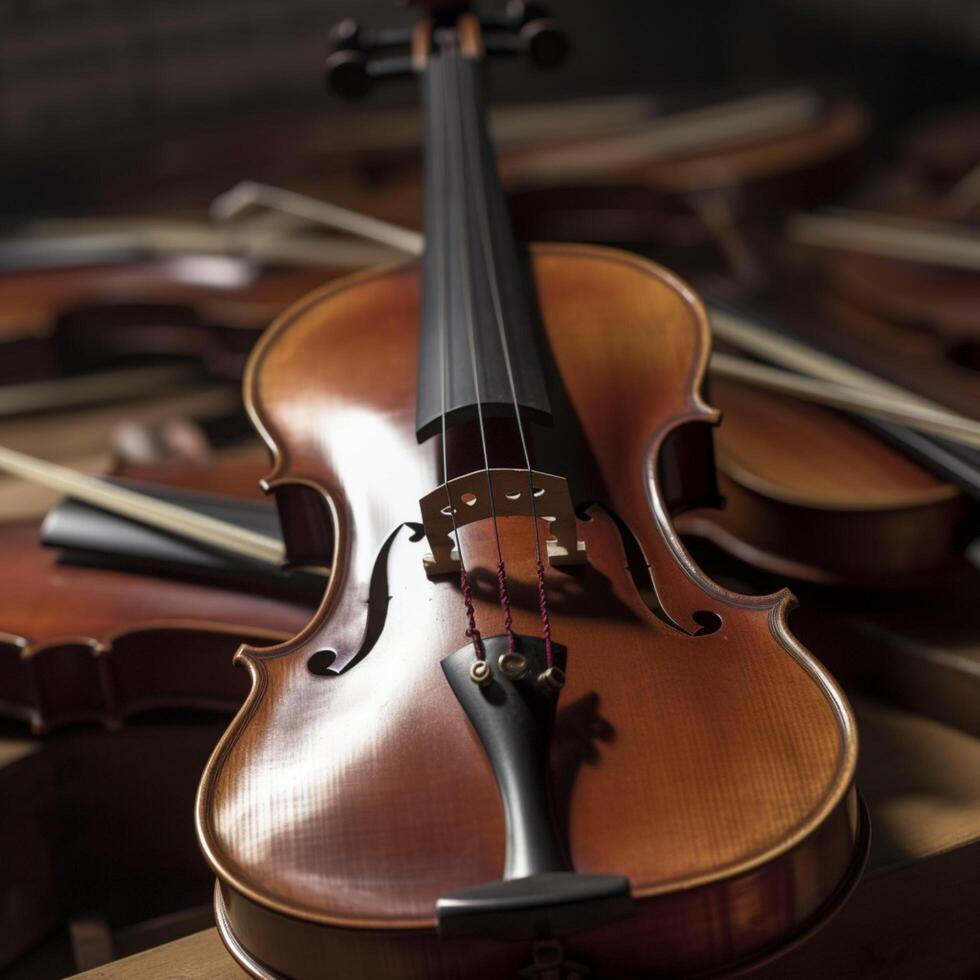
(330,388)
(619,323)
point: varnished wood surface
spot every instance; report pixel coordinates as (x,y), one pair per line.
(813,495)
(98,604)
(818,457)
(31,302)
(329,801)
(94,645)
(86,644)
(913,914)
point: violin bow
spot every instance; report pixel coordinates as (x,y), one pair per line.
(891,236)
(144,509)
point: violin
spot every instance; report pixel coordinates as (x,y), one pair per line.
(99,642)
(133,341)
(892,296)
(697,185)
(902,276)
(936,175)
(857,502)
(814,496)
(523,730)
(200,309)
(895,294)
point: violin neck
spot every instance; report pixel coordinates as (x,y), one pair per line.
(477,344)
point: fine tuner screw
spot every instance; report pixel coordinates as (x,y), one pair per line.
(552,679)
(513,665)
(349,70)
(480,673)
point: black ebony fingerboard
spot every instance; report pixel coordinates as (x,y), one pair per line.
(472,268)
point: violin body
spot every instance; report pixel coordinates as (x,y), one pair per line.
(698,199)
(85,644)
(903,308)
(698,750)
(207,310)
(812,495)
(929,358)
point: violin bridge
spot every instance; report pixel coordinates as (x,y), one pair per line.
(466,499)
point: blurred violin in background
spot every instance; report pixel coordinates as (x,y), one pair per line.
(901,276)
(697,185)
(90,618)
(136,323)
(110,621)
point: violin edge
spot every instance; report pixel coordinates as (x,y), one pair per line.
(250,931)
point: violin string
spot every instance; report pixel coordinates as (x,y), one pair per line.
(473,148)
(472,632)
(459,166)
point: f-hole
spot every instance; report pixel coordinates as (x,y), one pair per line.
(636,565)
(708,622)
(321,662)
(965,354)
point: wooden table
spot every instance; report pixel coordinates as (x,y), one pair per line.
(198,956)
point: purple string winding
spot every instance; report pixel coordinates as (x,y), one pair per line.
(505,605)
(472,632)
(549,656)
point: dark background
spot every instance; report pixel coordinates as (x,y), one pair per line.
(94,93)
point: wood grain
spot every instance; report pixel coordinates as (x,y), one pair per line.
(912,915)
(197,957)
(811,494)
(88,644)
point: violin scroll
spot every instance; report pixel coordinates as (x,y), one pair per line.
(360,56)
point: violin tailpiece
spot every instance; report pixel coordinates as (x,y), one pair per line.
(540,896)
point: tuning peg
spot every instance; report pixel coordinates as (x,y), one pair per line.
(349,71)
(346,35)
(529,29)
(544,42)
(345,71)
(349,35)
